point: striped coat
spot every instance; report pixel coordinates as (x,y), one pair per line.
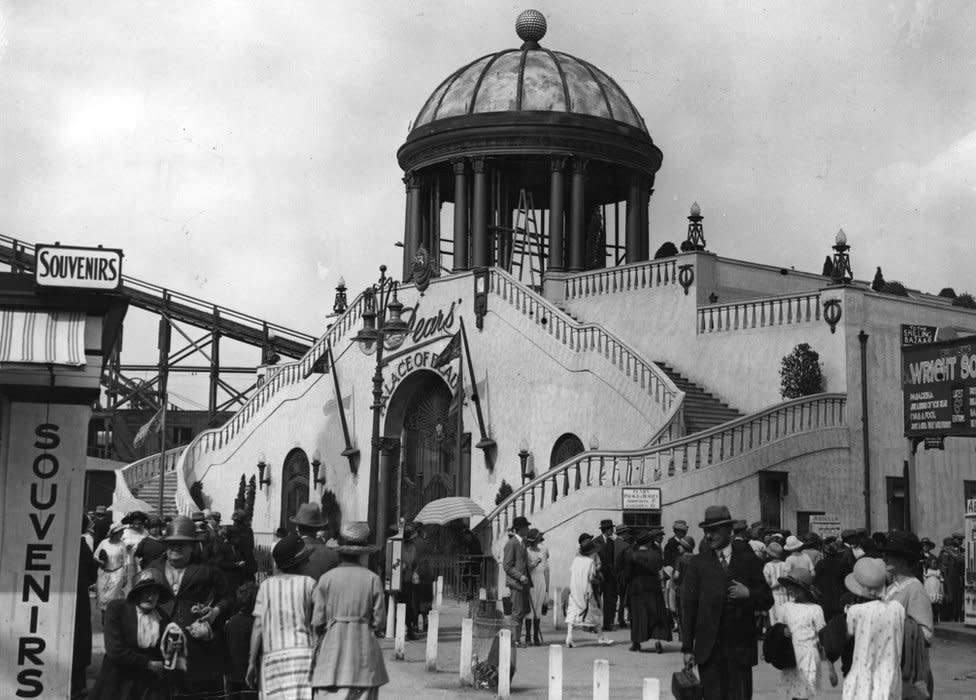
(283,608)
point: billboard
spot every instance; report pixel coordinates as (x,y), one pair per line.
(939,388)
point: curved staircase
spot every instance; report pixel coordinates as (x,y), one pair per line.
(701,409)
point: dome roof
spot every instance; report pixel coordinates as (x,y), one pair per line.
(529,79)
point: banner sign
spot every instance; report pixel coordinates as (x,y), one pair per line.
(40,537)
(825,525)
(640,498)
(913,334)
(939,388)
(73,267)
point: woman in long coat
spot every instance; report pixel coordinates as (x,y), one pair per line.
(649,617)
(110,556)
(133,665)
(348,609)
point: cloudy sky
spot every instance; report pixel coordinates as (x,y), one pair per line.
(244,152)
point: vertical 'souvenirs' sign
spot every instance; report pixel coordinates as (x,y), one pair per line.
(76,267)
(42,479)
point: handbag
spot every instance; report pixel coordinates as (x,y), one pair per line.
(777,648)
(685,685)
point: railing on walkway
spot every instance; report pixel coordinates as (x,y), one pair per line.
(283,376)
(589,338)
(705,449)
(643,275)
(760,313)
(464,574)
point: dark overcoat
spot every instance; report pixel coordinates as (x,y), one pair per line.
(708,618)
(649,617)
(124,673)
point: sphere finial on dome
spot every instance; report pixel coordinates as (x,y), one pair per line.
(531,27)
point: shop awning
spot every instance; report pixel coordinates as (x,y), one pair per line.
(42,337)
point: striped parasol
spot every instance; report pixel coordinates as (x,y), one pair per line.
(444,510)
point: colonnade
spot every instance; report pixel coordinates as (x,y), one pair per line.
(482,199)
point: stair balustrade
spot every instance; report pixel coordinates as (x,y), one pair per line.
(650,465)
(623,278)
(759,313)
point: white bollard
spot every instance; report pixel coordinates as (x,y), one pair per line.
(504,664)
(557,609)
(433,624)
(652,689)
(601,679)
(467,644)
(555,672)
(482,594)
(401,631)
(391,616)
(439,592)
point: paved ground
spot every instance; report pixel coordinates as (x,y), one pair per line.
(953,660)
(954,665)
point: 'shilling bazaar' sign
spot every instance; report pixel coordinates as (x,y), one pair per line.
(939,388)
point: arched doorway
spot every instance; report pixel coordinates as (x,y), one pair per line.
(294,484)
(426,464)
(568,445)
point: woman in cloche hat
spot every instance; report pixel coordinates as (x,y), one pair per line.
(133,663)
(538,561)
(584,608)
(348,612)
(282,641)
(773,571)
(804,618)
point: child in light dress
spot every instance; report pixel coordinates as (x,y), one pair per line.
(804,618)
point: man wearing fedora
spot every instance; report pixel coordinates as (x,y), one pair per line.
(308,522)
(723,588)
(515,562)
(608,584)
(672,548)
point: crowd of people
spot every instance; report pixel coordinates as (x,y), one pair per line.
(869,601)
(184,614)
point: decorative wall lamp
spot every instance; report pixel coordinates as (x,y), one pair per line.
(527,473)
(316,465)
(382,328)
(832,313)
(480,296)
(594,442)
(686,276)
(262,467)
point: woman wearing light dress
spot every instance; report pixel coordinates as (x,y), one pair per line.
(804,618)
(584,607)
(773,571)
(538,558)
(111,557)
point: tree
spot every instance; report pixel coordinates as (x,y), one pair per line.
(196,493)
(504,491)
(667,250)
(948,293)
(879,281)
(241,498)
(828,268)
(252,490)
(687,246)
(965,300)
(895,288)
(331,510)
(800,373)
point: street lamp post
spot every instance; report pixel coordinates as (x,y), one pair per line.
(382,328)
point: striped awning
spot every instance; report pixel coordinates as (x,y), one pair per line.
(42,337)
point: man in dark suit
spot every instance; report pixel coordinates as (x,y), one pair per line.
(622,549)
(608,583)
(723,589)
(672,549)
(309,522)
(515,562)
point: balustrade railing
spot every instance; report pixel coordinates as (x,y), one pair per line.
(588,338)
(644,275)
(759,313)
(649,465)
(146,469)
(283,376)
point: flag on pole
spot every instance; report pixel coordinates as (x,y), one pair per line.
(451,352)
(151,426)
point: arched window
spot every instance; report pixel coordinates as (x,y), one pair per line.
(294,484)
(568,445)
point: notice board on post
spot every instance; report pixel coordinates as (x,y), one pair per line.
(939,388)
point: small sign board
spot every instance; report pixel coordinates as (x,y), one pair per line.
(914,334)
(935,443)
(971,507)
(640,498)
(74,267)
(825,525)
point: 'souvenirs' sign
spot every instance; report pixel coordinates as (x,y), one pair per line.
(74,267)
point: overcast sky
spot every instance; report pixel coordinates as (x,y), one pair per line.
(245,152)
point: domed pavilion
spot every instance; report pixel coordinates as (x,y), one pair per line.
(546,161)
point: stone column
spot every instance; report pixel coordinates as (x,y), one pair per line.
(577,216)
(634,219)
(647,189)
(460,215)
(411,236)
(479,215)
(557,207)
